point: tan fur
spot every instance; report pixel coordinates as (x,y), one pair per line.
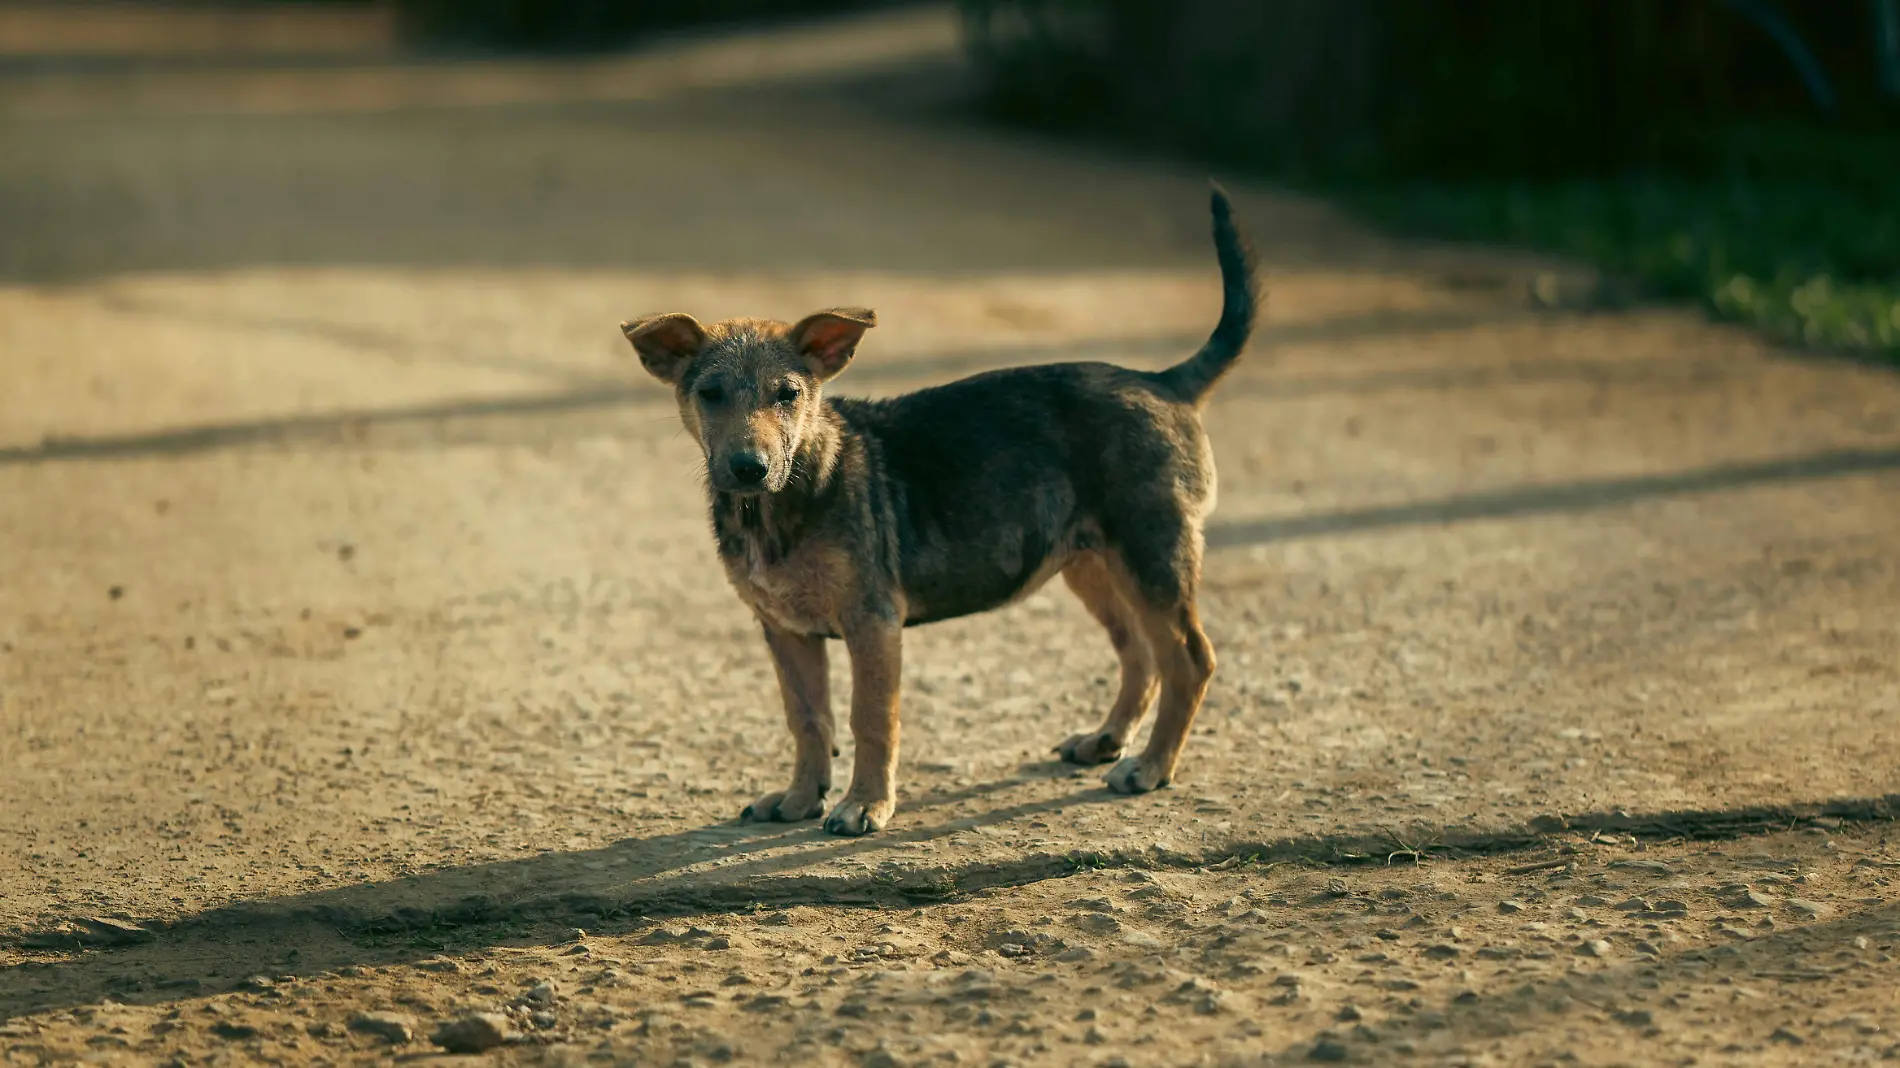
(1093,583)
(808,592)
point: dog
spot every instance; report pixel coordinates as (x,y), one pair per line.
(850,519)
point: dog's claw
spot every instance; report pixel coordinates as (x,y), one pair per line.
(853,819)
(1095,747)
(1131,776)
(774,808)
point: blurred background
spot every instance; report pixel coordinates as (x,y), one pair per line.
(1741,154)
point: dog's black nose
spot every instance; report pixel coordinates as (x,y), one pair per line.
(747,469)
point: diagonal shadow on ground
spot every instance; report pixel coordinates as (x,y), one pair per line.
(1579,496)
(354,427)
(616,888)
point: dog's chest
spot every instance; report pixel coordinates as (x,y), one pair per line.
(799,592)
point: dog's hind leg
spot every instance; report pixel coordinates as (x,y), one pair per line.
(1164,564)
(1095,586)
(804,682)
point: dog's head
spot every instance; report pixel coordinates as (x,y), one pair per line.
(748,389)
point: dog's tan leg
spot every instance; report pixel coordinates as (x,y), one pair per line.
(876,648)
(1094,585)
(1186,663)
(804,682)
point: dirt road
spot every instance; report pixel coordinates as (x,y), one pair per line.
(357,613)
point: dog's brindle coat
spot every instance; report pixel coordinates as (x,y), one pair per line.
(853,519)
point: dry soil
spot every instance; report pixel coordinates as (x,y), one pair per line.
(361,642)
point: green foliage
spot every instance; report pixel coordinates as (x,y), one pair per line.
(1578,126)
(1794,232)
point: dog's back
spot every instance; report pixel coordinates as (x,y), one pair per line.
(992,483)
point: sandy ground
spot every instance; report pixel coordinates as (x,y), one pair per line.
(1774,950)
(360,629)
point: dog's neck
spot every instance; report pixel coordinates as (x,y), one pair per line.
(768,526)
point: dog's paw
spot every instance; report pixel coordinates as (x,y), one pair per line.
(853,817)
(1133,776)
(1095,747)
(785,806)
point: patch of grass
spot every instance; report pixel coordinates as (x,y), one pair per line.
(1081,862)
(1796,233)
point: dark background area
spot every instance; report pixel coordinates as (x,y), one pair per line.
(1743,154)
(590,24)
(575,25)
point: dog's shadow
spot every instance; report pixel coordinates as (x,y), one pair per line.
(724,867)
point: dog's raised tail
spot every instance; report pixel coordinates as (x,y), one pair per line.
(1240,298)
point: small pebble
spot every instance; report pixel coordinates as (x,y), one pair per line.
(1635,1018)
(392,1027)
(1328,1051)
(477,1032)
(1654,867)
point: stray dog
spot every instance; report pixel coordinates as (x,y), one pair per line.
(853,519)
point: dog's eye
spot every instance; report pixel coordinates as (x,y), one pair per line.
(787,393)
(711,394)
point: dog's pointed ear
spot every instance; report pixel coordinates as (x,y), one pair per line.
(666,343)
(827,339)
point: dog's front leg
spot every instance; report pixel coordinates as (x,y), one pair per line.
(876,648)
(804,681)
